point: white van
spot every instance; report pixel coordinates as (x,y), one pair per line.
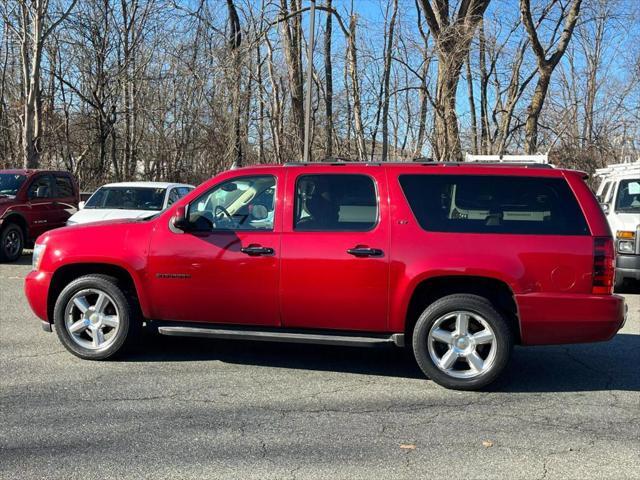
(619,195)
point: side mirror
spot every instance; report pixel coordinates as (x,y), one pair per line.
(81,205)
(605,208)
(180,220)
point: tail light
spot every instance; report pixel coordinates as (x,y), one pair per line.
(603,265)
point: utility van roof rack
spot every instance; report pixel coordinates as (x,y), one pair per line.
(618,169)
(541,159)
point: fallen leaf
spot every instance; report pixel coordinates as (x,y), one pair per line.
(407,446)
(487,443)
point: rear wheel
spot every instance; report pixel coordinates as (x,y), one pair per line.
(94,319)
(11,243)
(462,342)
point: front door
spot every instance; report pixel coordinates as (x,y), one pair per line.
(42,216)
(335,249)
(226,269)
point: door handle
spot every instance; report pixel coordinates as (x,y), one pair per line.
(365,252)
(256,250)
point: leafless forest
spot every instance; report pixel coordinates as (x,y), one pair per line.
(181,89)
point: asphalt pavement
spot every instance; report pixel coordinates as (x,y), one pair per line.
(193,408)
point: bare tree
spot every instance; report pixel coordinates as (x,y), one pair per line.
(452,35)
(33,23)
(546,64)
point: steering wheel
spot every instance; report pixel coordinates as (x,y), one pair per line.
(220,208)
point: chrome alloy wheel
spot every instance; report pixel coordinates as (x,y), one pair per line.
(12,243)
(462,344)
(92,319)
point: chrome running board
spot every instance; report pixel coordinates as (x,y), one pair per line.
(396,339)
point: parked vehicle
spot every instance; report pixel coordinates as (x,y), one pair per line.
(458,262)
(31,203)
(129,200)
(619,195)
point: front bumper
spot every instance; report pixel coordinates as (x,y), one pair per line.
(36,288)
(627,266)
(569,318)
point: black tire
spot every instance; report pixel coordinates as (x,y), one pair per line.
(11,243)
(128,321)
(619,284)
(479,307)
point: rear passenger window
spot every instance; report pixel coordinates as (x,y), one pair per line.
(494,204)
(64,187)
(343,203)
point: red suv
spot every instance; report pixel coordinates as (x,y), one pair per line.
(32,202)
(458,262)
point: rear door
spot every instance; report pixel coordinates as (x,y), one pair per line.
(335,249)
(64,202)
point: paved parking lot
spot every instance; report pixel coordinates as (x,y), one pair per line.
(182,408)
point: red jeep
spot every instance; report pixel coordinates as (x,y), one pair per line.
(458,262)
(32,202)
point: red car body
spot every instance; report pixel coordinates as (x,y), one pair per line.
(36,215)
(311,282)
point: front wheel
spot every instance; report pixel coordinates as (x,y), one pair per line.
(94,318)
(461,342)
(11,243)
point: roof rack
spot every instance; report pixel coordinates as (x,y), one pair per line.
(618,169)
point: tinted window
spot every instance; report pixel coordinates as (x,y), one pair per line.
(41,187)
(64,187)
(128,198)
(245,203)
(335,203)
(493,204)
(628,199)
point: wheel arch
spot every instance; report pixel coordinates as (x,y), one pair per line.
(69,272)
(18,219)
(430,289)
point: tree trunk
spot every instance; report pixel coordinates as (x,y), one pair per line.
(387,75)
(533,112)
(446,119)
(472,106)
(291,41)
(355,85)
(328,79)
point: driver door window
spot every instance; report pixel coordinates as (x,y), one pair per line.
(41,188)
(245,203)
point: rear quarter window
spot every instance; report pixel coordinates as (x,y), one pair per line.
(494,204)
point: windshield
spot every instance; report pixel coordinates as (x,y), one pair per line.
(628,199)
(10,183)
(127,198)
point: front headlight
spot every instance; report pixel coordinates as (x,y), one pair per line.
(626,241)
(38,253)
(626,246)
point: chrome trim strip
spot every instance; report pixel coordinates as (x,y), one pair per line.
(287,337)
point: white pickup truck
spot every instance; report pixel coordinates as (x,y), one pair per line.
(619,195)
